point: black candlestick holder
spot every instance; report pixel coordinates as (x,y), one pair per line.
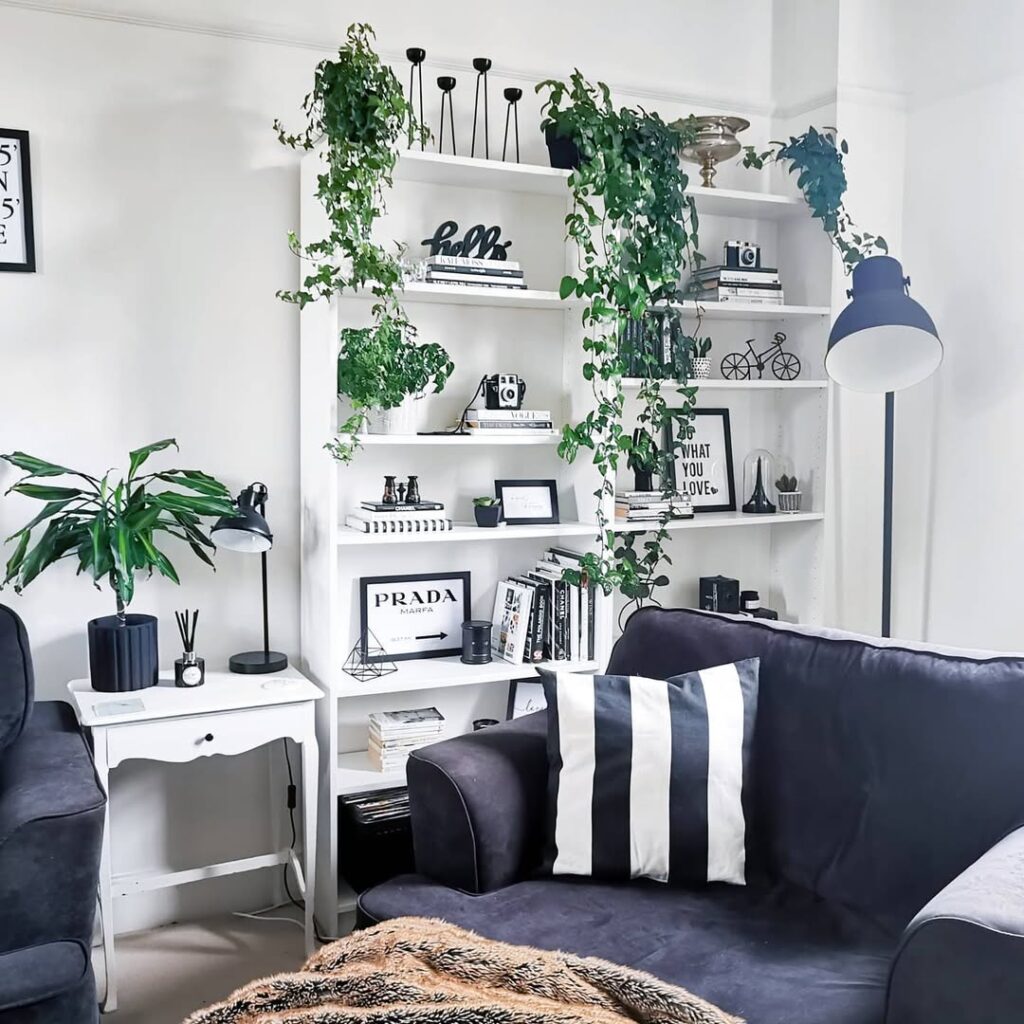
(417,55)
(481,65)
(513,95)
(446,84)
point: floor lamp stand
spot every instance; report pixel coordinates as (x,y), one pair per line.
(890,417)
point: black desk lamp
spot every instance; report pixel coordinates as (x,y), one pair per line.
(247,531)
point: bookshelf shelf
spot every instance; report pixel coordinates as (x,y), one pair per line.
(457,440)
(468,533)
(356,774)
(499,298)
(633,383)
(746,311)
(722,520)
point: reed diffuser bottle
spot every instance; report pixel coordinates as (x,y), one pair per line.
(189,670)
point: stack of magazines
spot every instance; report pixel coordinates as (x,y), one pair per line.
(466,270)
(756,286)
(648,506)
(509,422)
(538,616)
(415,517)
(394,735)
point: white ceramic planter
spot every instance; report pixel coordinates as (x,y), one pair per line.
(400,420)
(701,368)
(789,501)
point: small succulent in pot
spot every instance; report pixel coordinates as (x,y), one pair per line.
(487,511)
(701,361)
(789,494)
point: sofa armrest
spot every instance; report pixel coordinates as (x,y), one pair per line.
(961,959)
(478,803)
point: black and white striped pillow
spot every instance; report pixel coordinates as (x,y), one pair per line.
(646,776)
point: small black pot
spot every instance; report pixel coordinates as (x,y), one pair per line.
(562,151)
(487,515)
(123,657)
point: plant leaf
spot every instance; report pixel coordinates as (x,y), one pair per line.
(36,467)
(139,456)
(45,492)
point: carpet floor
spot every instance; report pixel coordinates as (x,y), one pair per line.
(165,974)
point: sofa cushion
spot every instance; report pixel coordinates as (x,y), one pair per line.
(880,772)
(16,680)
(775,956)
(35,973)
(647,776)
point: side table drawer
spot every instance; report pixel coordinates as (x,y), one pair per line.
(184,739)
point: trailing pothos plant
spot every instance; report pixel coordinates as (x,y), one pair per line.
(817,158)
(358,108)
(635,230)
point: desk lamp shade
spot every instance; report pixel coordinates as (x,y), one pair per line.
(883,341)
(247,531)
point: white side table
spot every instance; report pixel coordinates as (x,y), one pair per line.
(229,714)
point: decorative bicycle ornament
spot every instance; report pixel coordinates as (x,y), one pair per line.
(741,365)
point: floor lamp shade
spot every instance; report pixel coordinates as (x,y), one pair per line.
(247,531)
(883,341)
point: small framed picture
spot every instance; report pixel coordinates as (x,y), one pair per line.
(417,616)
(524,697)
(17,239)
(527,502)
(702,467)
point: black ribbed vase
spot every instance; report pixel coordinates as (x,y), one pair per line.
(123,657)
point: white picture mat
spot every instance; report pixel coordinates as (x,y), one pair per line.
(526,502)
(702,463)
(408,617)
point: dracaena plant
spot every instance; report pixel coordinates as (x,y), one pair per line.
(816,157)
(634,229)
(111,525)
(358,109)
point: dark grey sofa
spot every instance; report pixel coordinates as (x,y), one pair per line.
(51,829)
(886,876)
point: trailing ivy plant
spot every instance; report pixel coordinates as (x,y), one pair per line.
(818,160)
(358,109)
(634,230)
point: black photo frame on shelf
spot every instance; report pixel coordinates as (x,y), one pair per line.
(525,696)
(702,469)
(413,616)
(17,231)
(528,502)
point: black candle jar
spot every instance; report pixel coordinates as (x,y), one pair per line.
(476,642)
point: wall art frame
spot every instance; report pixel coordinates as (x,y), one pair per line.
(702,468)
(17,223)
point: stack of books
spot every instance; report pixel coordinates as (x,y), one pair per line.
(758,286)
(650,506)
(394,735)
(417,517)
(465,270)
(509,422)
(538,616)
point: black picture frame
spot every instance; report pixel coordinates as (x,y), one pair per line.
(549,486)
(514,688)
(9,203)
(375,624)
(726,441)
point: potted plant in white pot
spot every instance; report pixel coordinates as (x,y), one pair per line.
(701,362)
(788,493)
(110,526)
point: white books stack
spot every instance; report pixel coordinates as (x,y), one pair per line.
(509,422)
(650,506)
(465,270)
(756,286)
(394,735)
(419,517)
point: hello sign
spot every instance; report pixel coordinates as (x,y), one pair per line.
(418,616)
(17,240)
(702,467)
(478,243)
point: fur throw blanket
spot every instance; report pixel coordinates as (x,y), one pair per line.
(417,971)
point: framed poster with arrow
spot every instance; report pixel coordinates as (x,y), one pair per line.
(417,616)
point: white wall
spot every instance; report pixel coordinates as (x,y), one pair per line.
(162,204)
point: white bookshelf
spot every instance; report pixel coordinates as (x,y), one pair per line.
(537,335)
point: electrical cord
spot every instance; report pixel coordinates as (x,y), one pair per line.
(460,427)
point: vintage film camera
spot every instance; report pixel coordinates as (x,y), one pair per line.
(743,255)
(504,391)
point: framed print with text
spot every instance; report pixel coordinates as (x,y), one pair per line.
(527,502)
(17,233)
(702,467)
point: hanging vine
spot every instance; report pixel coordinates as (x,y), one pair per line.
(634,230)
(357,107)
(817,157)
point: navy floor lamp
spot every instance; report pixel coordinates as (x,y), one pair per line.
(881,343)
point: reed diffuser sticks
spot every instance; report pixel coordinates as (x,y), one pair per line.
(189,670)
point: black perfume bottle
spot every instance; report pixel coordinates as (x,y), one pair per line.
(189,669)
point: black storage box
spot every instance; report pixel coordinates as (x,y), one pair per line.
(374,837)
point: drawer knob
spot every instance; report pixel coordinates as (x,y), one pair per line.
(208,737)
